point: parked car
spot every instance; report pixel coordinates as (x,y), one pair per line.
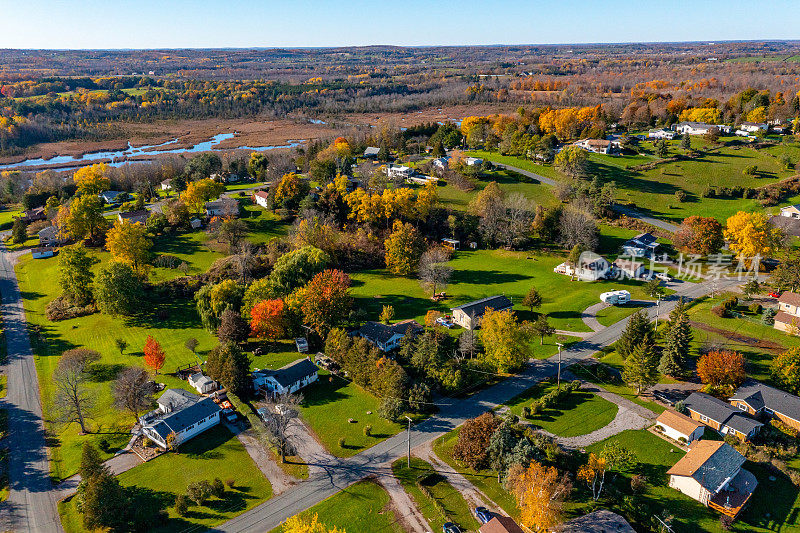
(775,294)
(450,527)
(483,514)
(302,344)
(663,276)
(444,322)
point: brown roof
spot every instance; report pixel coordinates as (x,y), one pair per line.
(263,194)
(791,298)
(678,421)
(501,524)
(785,318)
(700,453)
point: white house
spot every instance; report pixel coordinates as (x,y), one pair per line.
(469,315)
(590,267)
(791,211)
(287,379)
(399,171)
(679,427)
(597,146)
(261,198)
(628,269)
(371,151)
(643,245)
(711,473)
(388,337)
(421,180)
(694,128)
(50,236)
(616,297)
(222,207)
(441,162)
(202,383)
(166,185)
(753,127)
(787,318)
(661,134)
(180,414)
(473,161)
(136,217)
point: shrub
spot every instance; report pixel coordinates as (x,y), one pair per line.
(680,406)
(526,412)
(750,170)
(230,482)
(218,488)
(720,311)
(755,308)
(658,428)
(62,309)
(181,505)
(768,317)
(680,195)
(730,303)
(341,442)
(638,484)
(536,407)
(682,440)
(103,445)
(367,430)
(147,443)
(709,192)
(725,522)
(199,491)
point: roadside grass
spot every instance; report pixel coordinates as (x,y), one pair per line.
(4,483)
(329,404)
(614,313)
(442,503)
(363,507)
(617,388)
(216,454)
(38,285)
(579,413)
(3,385)
(481,273)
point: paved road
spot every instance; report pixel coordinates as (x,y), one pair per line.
(672,228)
(340,474)
(31,505)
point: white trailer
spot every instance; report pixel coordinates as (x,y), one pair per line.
(616,297)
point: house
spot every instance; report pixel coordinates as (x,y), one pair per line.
(399,171)
(136,217)
(287,379)
(421,180)
(166,185)
(788,317)
(261,198)
(181,415)
(694,128)
(711,473)
(222,207)
(721,416)
(41,253)
(500,524)
(51,236)
(643,245)
(791,211)
(763,401)
(441,163)
(625,268)
(469,315)
(196,223)
(202,383)
(600,521)
(590,267)
(388,337)
(679,427)
(453,244)
(113,197)
(616,297)
(372,151)
(34,215)
(661,134)
(473,161)
(753,127)
(597,146)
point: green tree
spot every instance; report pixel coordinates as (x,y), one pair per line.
(678,342)
(121,344)
(75,273)
(573,162)
(662,148)
(294,269)
(257,165)
(82,218)
(19,231)
(686,142)
(786,369)
(542,328)
(229,365)
(506,343)
(653,288)
(637,331)
(640,368)
(118,289)
(532,299)
(213,300)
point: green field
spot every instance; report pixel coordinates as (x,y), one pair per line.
(445,504)
(616,387)
(215,454)
(577,414)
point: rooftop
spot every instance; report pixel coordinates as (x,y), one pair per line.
(501,524)
(179,420)
(479,307)
(721,412)
(602,521)
(758,396)
(678,421)
(379,332)
(710,463)
(292,373)
(789,297)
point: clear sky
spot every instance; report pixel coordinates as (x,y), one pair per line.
(291,23)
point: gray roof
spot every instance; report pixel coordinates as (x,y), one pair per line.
(380,332)
(721,412)
(479,307)
(722,466)
(191,414)
(758,396)
(109,196)
(135,214)
(372,150)
(176,399)
(601,521)
(50,232)
(643,240)
(221,202)
(292,373)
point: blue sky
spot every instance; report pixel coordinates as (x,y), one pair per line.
(268,23)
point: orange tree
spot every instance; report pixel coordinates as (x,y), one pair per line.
(722,368)
(699,235)
(540,492)
(154,355)
(325,301)
(268,319)
(473,440)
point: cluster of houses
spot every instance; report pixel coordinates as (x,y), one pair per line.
(743,129)
(593,267)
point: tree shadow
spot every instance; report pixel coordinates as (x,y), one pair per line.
(102,372)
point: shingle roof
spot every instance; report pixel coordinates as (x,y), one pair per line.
(757,395)
(501,524)
(177,399)
(785,318)
(179,420)
(262,194)
(678,421)
(50,232)
(602,521)
(710,463)
(479,307)
(789,297)
(721,412)
(135,214)
(371,150)
(222,202)
(382,333)
(292,373)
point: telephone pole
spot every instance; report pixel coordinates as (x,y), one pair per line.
(558,387)
(408,461)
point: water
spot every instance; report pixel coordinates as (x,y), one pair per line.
(146,150)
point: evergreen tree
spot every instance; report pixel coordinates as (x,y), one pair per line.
(638,331)
(679,338)
(91,463)
(19,231)
(640,368)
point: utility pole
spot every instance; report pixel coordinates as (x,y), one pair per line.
(408,462)
(559,366)
(658,309)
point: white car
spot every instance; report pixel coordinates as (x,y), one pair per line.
(663,276)
(444,322)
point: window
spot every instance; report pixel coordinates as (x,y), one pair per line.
(190,427)
(743,406)
(703,418)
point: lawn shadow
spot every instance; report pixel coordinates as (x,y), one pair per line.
(324,392)
(102,372)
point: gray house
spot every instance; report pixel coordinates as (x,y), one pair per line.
(469,315)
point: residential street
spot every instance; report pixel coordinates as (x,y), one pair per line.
(31,505)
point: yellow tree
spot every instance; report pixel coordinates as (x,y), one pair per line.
(82,218)
(594,474)
(198,192)
(507,343)
(403,249)
(92,179)
(427,199)
(540,492)
(128,243)
(307,524)
(750,235)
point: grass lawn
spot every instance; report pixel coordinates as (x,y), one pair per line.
(617,388)
(7,215)
(360,508)
(329,403)
(38,283)
(577,414)
(481,273)
(190,247)
(3,385)
(263,225)
(614,313)
(216,454)
(450,501)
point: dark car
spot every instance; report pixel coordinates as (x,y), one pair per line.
(483,514)
(450,527)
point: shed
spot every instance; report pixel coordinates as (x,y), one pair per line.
(453,244)
(202,383)
(41,253)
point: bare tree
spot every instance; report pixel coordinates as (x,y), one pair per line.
(519,217)
(468,343)
(246,260)
(133,390)
(232,232)
(577,227)
(283,414)
(433,268)
(73,402)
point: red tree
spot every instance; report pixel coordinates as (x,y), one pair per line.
(699,235)
(326,301)
(722,368)
(154,355)
(268,320)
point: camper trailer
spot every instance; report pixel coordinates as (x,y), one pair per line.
(616,297)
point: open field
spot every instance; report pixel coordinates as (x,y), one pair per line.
(218,454)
